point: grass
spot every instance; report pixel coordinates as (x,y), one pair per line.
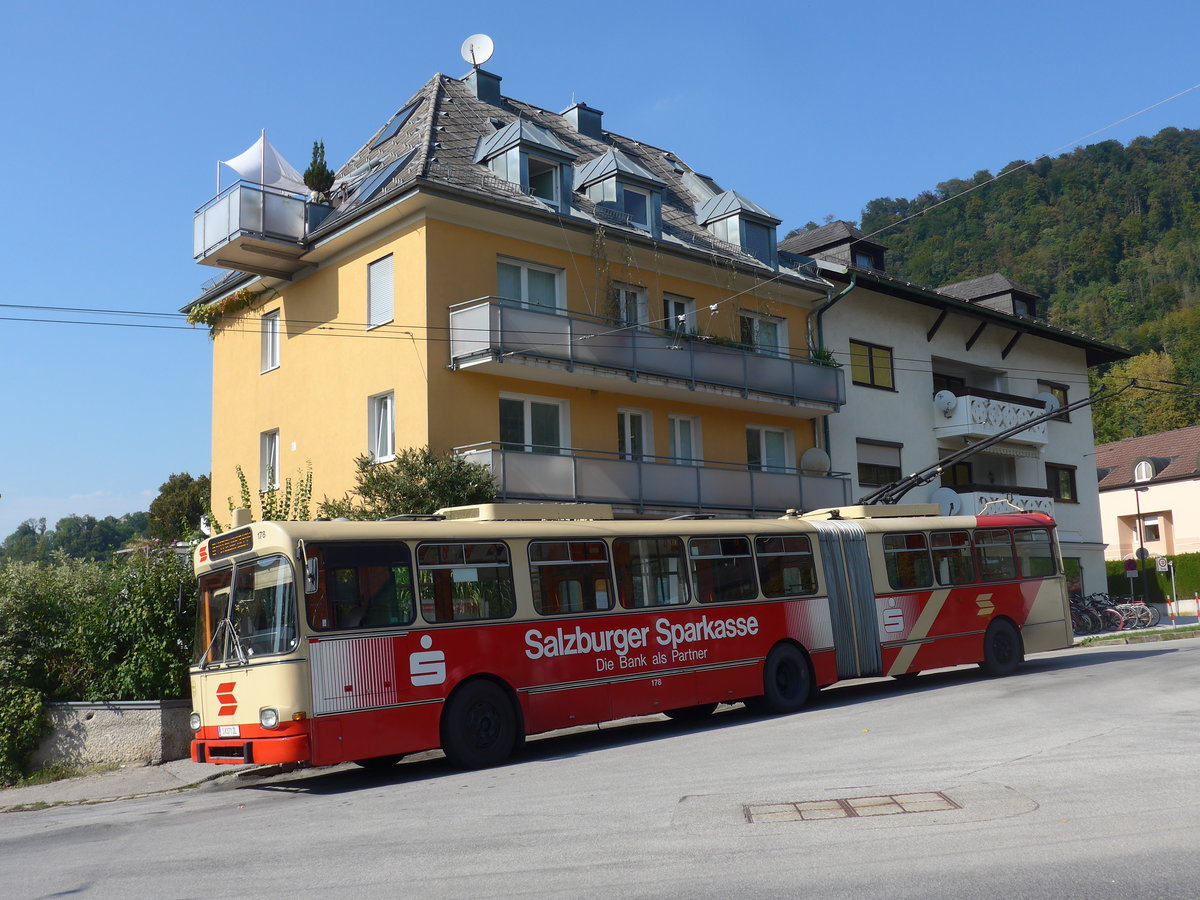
(61,771)
(1126,637)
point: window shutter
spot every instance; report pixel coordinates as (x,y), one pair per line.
(381,292)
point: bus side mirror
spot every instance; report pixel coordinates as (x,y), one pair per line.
(310,576)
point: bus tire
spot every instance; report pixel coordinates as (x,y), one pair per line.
(479,726)
(787,681)
(691,713)
(1002,651)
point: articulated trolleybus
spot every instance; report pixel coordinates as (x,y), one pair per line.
(324,642)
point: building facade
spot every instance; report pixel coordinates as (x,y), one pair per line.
(583,313)
(1150,494)
(934,372)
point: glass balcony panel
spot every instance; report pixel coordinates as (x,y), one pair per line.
(608,480)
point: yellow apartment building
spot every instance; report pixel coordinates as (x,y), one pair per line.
(580,311)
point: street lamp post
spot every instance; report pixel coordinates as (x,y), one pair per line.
(1141,550)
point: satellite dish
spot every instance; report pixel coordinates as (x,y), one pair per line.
(945,401)
(814,461)
(478,49)
(1048,400)
(948,500)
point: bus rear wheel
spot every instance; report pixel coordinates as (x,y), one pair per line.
(787,681)
(479,726)
(1001,649)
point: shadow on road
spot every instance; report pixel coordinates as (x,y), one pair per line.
(589,739)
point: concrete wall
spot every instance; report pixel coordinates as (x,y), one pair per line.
(142,732)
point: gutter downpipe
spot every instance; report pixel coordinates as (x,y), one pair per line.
(821,337)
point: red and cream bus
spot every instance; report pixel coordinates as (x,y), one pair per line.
(323,642)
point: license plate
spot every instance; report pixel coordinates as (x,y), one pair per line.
(227,731)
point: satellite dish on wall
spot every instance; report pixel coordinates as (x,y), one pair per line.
(814,461)
(478,49)
(1048,400)
(945,401)
(948,500)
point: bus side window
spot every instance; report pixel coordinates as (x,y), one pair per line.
(952,560)
(650,572)
(785,565)
(722,569)
(995,548)
(465,581)
(366,584)
(569,576)
(907,559)
(1035,554)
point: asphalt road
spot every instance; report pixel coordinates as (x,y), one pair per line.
(1073,778)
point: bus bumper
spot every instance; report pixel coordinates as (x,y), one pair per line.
(260,751)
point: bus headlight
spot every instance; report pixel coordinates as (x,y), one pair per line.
(268,718)
(194,721)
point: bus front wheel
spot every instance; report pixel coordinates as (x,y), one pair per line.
(787,681)
(479,726)
(1001,649)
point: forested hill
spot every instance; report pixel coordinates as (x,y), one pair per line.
(1108,236)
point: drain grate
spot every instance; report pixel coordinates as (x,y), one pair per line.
(849,807)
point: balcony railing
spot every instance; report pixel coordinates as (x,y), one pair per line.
(587,476)
(976,416)
(974,498)
(254,227)
(555,346)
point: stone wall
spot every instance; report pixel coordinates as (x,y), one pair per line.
(141,732)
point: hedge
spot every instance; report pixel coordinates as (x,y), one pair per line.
(1187,578)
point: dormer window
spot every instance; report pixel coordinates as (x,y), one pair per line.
(530,158)
(623,190)
(544,180)
(1143,471)
(741,222)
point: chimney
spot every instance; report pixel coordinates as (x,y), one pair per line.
(484,85)
(585,120)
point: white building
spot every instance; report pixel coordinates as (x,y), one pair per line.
(933,371)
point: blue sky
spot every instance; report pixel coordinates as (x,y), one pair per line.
(114,116)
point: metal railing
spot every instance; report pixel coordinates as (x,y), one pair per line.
(248,208)
(491,329)
(646,482)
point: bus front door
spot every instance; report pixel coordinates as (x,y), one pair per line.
(847,570)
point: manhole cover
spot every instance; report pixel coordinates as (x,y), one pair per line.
(849,807)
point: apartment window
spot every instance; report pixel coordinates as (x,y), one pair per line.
(1150,528)
(683,436)
(768,449)
(1143,471)
(952,383)
(871,365)
(544,180)
(957,475)
(764,334)
(529,284)
(758,240)
(381,292)
(635,203)
(1061,481)
(878,462)
(1059,393)
(270,341)
(633,434)
(532,425)
(268,460)
(381,415)
(679,314)
(631,306)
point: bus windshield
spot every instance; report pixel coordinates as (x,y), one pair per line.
(257,617)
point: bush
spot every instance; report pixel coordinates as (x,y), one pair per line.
(81,630)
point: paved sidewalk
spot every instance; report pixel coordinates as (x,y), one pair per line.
(120,784)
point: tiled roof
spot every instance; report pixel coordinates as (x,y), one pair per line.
(826,236)
(1175,454)
(448,126)
(986,286)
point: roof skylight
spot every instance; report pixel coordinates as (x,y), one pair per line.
(396,124)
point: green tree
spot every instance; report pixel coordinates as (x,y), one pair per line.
(318,176)
(1155,404)
(418,481)
(175,513)
(29,543)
